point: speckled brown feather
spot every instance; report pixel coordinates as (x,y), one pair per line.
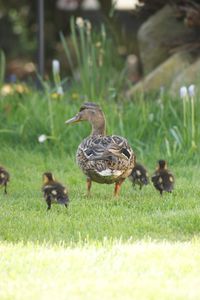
(94,156)
(102,158)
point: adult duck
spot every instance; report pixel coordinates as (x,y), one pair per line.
(102,158)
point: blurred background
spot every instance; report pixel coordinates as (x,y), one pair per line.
(18,29)
(144,33)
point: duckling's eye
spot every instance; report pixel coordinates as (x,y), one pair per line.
(125,152)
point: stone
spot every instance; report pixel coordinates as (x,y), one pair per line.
(163,75)
(191,75)
(158,35)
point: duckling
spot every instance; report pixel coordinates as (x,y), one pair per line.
(4,178)
(139,176)
(102,158)
(163,179)
(54,192)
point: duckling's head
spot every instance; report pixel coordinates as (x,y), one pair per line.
(92,113)
(48,177)
(162,164)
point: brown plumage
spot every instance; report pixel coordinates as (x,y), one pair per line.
(139,176)
(54,191)
(163,179)
(102,158)
(4,178)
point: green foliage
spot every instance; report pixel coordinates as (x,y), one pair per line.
(154,127)
(97,60)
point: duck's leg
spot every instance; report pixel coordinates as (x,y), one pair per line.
(117,187)
(89,184)
(5,188)
(48,201)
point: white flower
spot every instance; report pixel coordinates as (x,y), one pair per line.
(191,90)
(56,66)
(183,92)
(80,22)
(88,26)
(42,138)
(60,90)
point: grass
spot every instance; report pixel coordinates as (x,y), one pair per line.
(136,215)
(139,246)
(143,270)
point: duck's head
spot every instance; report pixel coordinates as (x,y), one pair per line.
(162,164)
(48,177)
(92,113)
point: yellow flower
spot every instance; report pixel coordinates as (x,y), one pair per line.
(7,89)
(75,96)
(56,96)
(21,88)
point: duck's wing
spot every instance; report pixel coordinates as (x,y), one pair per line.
(168,181)
(163,180)
(107,148)
(56,191)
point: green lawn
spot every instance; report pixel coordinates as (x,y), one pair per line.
(139,246)
(135,214)
(141,270)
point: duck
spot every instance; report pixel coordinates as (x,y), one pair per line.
(105,159)
(54,191)
(163,179)
(4,178)
(139,175)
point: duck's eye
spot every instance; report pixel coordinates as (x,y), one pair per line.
(125,152)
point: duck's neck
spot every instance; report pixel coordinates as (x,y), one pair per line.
(98,125)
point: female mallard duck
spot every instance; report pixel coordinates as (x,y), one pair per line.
(163,179)
(4,178)
(102,158)
(139,176)
(54,191)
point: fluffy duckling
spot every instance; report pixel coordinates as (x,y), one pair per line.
(102,158)
(54,192)
(139,176)
(163,179)
(4,178)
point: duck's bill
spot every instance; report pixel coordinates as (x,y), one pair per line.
(75,119)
